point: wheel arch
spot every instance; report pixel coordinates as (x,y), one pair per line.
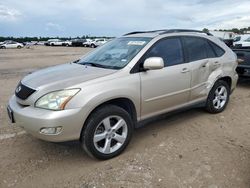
(122,102)
(227,79)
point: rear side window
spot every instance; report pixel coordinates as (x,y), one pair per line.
(195,48)
(169,49)
(217,50)
(210,51)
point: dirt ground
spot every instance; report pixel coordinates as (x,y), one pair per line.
(189,149)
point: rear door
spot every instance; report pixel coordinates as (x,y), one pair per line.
(203,61)
(167,88)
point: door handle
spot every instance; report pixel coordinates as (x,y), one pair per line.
(184,70)
(204,64)
(217,63)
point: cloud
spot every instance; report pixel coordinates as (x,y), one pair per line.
(9,14)
(113,18)
(53,26)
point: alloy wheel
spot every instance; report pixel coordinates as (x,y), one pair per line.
(110,134)
(220,97)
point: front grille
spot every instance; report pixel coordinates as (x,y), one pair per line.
(23,92)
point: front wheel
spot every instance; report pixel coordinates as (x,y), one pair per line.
(107,132)
(218,97)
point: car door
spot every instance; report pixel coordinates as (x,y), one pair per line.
(14,45)
(203,61)
(168,88)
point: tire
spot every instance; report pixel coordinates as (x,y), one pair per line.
(52,44)
(19,47)
(92,46)
(111,123)
(218,97)
(3,47)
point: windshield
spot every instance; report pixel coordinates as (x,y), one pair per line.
(115,54)
(236,39)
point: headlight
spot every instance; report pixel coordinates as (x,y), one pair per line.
(56,100)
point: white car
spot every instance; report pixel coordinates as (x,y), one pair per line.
(67,43)
(242,41)
(55,42)
(11,44)
(87,43)
(98,42)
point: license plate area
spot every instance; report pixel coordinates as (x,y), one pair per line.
(11,115)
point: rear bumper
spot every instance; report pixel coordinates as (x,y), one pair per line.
(34,119)
(234,82)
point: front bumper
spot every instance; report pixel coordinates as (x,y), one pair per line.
(33,119)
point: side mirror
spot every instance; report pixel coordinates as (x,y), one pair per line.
(153,63)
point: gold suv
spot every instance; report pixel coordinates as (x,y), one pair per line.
(100,98)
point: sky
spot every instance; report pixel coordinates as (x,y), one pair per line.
(71,18)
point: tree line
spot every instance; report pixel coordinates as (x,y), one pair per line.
(235,30)
(29,39)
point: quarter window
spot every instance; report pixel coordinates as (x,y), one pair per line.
(170,50)
(218,50)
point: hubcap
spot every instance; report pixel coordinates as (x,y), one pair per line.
(220,97)
(110,134)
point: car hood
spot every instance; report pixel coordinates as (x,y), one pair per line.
(63,76)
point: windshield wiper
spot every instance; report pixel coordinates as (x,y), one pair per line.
(94,64)
(76,61)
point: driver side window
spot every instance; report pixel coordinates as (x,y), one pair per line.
(169,49)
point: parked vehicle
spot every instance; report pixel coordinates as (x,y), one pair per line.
(98,42)
(242,41)
(78,42)
(87,43)
(100,98)
(67,43)
(54,42)
(224,35)
(11,44)
(243,56)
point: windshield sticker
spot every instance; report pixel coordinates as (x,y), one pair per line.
(136,43)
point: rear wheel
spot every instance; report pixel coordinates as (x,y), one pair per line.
(218,97)
(92,46)
(107,132)
(19,47)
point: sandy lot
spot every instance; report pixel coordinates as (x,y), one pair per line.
(189,149)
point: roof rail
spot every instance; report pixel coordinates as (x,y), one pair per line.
(185,30)
(138,32)
(166,31)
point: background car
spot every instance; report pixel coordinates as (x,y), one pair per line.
(78,42)
(87,43)
(54,42)
(243,55)
(11,44)
(98,42)
(242,41)
(67,43)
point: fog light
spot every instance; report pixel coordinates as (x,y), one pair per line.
(51,130)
